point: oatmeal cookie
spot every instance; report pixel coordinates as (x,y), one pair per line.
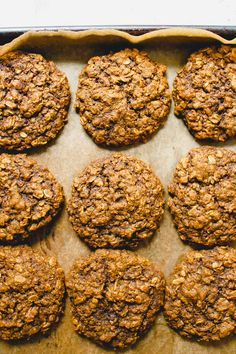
(30,196)
(116,202)
(34,100)
(200,295)
(203,196)
(32,291)
(115,296)
(122,98)
(205,93)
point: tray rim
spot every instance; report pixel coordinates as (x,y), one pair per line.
(140,27)
(9,33)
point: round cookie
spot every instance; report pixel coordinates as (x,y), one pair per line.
(34,97)
(32,292)
(123,98)
(200,295)
(203,196)
(116,201)
(115,296)
(204,92)
(30,196)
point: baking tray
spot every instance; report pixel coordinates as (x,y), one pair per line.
(74,149)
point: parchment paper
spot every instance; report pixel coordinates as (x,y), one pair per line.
(74,149)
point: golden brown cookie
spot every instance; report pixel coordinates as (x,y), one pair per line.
(115,296)
(123,98)
(203,196)
(117,201)
(205,93)
(200,295)
(32,291)
(34,100)
(30,197)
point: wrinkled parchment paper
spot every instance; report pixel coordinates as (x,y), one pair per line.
(74,149)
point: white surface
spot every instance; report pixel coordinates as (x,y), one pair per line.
(22,13)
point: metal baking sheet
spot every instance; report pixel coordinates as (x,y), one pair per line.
(74,149)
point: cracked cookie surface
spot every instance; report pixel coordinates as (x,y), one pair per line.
(200,294)
(203,196)
(115,296)
(116,201)
(32,291)
(123,98)
(34,100)
(204,92)
(30,196)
